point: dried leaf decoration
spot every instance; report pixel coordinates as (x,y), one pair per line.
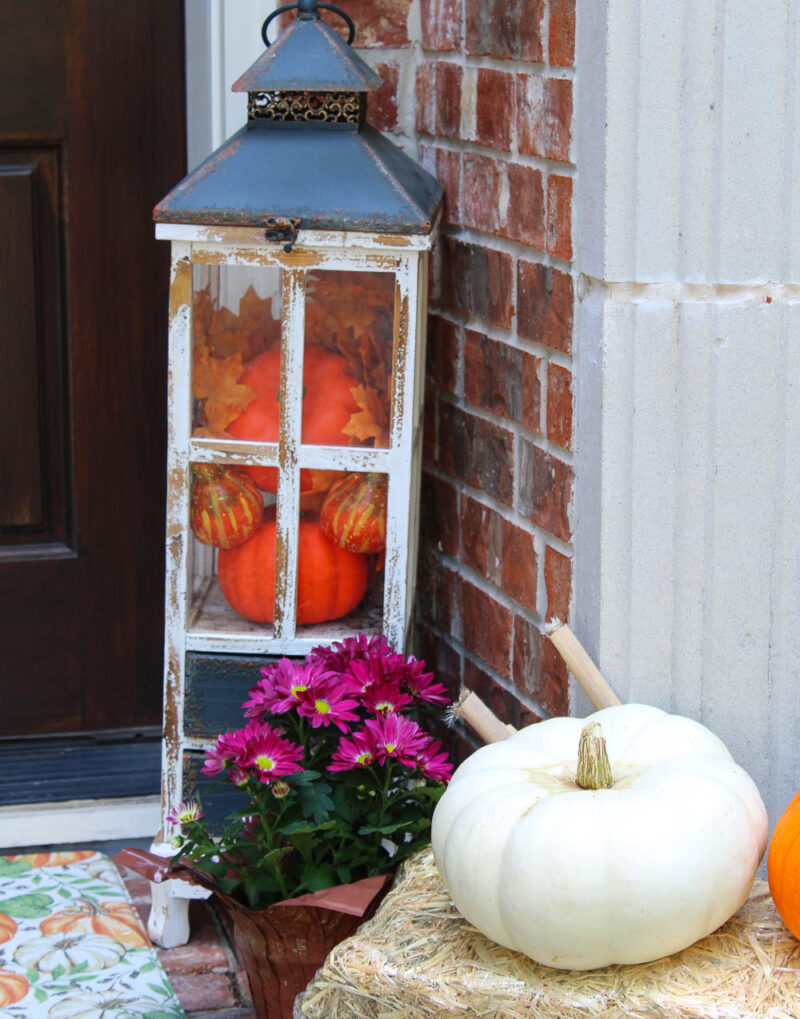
(352,313)
(216,382)
(366,424)
(223,341)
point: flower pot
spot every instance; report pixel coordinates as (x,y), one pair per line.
(281,947)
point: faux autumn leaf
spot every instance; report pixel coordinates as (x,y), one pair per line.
(222,333)
(370,421)
(216,381)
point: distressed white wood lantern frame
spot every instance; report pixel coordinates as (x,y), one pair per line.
(262,203)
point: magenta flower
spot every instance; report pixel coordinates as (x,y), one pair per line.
(325,704)
(271,755)
(355,752)
(433,763)
(383,698)
(397,738)
(358,648)
(278,689)
(229,751)
(420,683)
(186,812)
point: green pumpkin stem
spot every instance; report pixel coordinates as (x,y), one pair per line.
(594,768)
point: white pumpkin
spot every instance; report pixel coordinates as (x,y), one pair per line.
(581,878)
(66,951)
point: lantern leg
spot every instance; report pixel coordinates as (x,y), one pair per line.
(168,923)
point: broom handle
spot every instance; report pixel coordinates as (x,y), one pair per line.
(581,666)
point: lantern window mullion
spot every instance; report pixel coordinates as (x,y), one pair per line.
(291,410)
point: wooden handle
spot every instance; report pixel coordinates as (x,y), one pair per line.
(582,667)
(481,718)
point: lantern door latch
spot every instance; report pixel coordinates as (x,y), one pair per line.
(282,230)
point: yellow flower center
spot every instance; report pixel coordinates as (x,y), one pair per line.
(322,707)
(265,763)
(297,690)
(390,747)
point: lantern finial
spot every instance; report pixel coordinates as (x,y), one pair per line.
(308,10)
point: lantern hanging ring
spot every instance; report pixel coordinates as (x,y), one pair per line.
(308,10)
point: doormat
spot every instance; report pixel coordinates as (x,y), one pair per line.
(73,945)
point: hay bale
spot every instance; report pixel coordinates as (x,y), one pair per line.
(418,957)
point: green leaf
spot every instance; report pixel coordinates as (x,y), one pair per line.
(39,994)
(316,878)
(64,893)
(10,868)
(315,801)
(33,906)
(57,971)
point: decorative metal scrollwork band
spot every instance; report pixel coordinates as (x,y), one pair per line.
(330,107)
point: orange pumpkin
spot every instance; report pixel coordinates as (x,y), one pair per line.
(55,859)
(8,928)
(117,920)
(354,513)
(328,405)
(783,866)
(13,987)
(330,580)
(226,505)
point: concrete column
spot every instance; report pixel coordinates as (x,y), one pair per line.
(687,229)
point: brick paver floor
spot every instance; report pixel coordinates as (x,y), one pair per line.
(206,976)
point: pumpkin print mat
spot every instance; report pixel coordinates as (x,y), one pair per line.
(72,945)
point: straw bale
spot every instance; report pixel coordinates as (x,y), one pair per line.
(418,957)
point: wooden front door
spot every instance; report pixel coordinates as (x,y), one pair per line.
(92,129)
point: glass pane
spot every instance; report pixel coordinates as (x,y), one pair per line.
(347,366)
(340,541)
(233,573)
(341,551)
(236,331)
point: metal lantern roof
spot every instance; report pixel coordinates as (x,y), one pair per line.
(307,153)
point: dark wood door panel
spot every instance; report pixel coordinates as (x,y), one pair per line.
(92,129)
(33,444)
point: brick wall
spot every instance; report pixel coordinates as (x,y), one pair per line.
(481,93)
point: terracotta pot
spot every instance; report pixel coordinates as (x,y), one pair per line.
(282,947)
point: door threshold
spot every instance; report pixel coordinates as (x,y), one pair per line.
(71,821)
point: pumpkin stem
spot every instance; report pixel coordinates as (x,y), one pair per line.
(594,768)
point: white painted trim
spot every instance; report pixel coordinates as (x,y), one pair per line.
(74,821)
(250,235)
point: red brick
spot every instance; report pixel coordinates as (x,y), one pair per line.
(561,36)
(477,452)
(494,117)
(448,99)
(520,569)
(445,165)
(559,405)
(545,489)
(204,991)
(525,219)
(382,104)
(485,627)
(436,590)
(536,668)
(443,353)
(545,303)
(478,281)
(558,582)
(378,22)
(439,520)
(507,29)
(502,379)
(559,216)
(499,700)
(441,25)
(430,428)
(205,950)
(484,184)
(440,658)
(544,116)
(425,99)
(481,538)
